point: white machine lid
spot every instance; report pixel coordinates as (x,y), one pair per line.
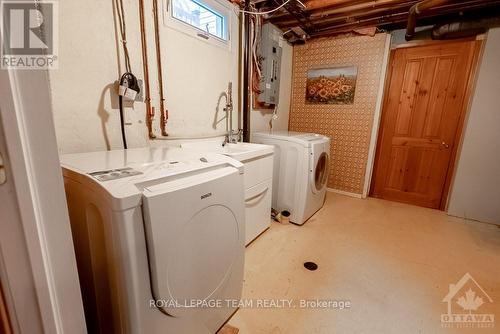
(302,138)
(124,174)
(195,235)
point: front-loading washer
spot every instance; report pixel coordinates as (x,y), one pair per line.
(301,170)
(159,238)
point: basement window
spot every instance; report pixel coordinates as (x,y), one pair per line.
(206,18)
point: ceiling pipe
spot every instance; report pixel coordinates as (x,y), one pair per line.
(344,10)
(349,26)
(323,4)
(355,16)
(418,9)
(451,7)
(328,27)
(394,18)
(464,29)
(457,30)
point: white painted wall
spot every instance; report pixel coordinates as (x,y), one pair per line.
(476,188)
(83,93)
(260,118)
(196,73)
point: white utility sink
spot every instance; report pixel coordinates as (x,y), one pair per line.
(238,151)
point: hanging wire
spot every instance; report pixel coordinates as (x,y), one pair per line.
(266,12)
(255,30)
(123,32)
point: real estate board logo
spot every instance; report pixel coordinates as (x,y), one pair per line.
(29,34)
(464,299)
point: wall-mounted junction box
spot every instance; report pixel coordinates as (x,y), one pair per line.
(127,103)
(270,51)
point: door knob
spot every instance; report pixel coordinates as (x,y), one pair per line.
(3,175)
(445,145)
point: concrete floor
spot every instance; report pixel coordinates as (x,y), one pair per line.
(393,262)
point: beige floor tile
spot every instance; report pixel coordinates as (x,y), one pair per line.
(393,262)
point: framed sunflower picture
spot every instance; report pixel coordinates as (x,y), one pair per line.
(334,85)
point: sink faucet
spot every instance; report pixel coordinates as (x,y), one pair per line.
(231,136)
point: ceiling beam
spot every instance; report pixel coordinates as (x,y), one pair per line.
(361,15)
(358,15)
(300,18)
(367,5)
(344,7)
(354,13)
(393,18)
(317,4)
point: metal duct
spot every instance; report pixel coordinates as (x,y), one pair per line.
(418,9)
(464,29)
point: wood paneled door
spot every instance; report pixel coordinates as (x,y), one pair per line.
(425,98)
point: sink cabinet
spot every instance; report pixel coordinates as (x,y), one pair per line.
(258,180)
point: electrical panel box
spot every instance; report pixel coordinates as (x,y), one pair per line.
(270,52)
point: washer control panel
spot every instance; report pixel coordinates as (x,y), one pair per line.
(114,174)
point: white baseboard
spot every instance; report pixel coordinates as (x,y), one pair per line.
(346,193)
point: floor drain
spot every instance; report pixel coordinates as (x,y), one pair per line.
(311,266)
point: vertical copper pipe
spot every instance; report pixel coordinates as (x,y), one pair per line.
(240,68)
(150,112)
(246,76)
(163,111)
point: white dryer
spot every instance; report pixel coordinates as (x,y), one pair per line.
(301,170)
(159,238)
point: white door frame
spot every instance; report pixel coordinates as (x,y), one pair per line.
(376,118)
(37,262)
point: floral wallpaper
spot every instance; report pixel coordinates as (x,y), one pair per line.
(348,125)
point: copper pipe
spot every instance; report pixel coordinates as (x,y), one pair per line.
(369,22)
(394,18)
(339,14)
(163,111)
(246,75)
(150,112)
(354,16)
(322,4)
(358,7)
(418,9)
(240,69)
(341,9)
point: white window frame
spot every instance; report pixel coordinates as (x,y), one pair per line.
(224,8)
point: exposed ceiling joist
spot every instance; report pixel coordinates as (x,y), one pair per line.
(327,17)
(322,4)
(338,14)
(384,20)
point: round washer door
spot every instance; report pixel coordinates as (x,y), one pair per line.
(320,173)
(201,257)
(195,239)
